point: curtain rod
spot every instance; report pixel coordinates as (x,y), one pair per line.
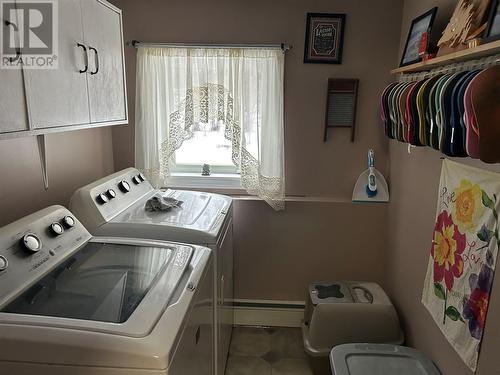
(135,43)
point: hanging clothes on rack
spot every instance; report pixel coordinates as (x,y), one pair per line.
(454,109)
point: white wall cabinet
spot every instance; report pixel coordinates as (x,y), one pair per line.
(88,87)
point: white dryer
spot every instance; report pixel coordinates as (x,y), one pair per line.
(115,206)
(73,304)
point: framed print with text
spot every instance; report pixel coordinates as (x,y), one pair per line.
(324,38)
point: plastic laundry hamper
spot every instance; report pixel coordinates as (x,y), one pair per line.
(343,312)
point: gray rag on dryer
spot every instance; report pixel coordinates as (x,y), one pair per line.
(160,203)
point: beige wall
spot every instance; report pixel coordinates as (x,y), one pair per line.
(414,185)
(74,159)
(277,254)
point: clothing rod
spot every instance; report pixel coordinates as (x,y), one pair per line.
(135,43)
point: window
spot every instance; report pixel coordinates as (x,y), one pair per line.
(212,110)
(206,146)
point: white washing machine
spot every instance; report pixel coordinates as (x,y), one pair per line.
(73,304)
(115,206)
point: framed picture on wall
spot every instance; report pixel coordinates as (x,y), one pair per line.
(324,38)
(493,29)
(420,25)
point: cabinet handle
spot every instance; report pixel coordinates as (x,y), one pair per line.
(96,56)
(18,50)
(86,58)
(18,55)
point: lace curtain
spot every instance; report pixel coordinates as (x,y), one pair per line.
(239,89)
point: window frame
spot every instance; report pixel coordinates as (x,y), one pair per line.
(195,169)
(216,182)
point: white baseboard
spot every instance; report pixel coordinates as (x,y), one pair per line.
(268,313)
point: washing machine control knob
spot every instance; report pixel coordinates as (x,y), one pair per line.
(31,243)
(68,221)
(3,263)
(124,186)
(136,179)
(111,193)
(102,199)
(56,228)
(141,177)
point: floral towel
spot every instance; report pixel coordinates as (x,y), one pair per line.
(463,256)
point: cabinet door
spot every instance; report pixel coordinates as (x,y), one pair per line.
(58,97)
(13,111)
(102,27)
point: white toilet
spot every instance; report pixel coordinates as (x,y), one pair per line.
(379,359)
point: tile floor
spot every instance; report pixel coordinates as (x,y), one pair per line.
(267,351)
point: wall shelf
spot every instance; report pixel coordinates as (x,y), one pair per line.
(455,57)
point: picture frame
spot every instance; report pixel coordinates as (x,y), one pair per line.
(324,38)
(492,31)
(419,26)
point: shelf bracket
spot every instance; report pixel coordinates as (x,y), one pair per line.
(42,154)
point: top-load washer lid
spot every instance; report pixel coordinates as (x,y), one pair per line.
(108,285)
(379,359)
(198,220)
(102,282)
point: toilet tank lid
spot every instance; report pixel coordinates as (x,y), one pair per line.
(379,359)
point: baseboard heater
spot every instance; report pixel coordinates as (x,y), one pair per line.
(268,313)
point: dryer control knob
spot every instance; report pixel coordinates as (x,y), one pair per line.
(68,222)
(31,243)
(124,186)
(141,177)
(102,199)
(56,228)
(136,180)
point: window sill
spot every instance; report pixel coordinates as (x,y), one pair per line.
(216,183)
